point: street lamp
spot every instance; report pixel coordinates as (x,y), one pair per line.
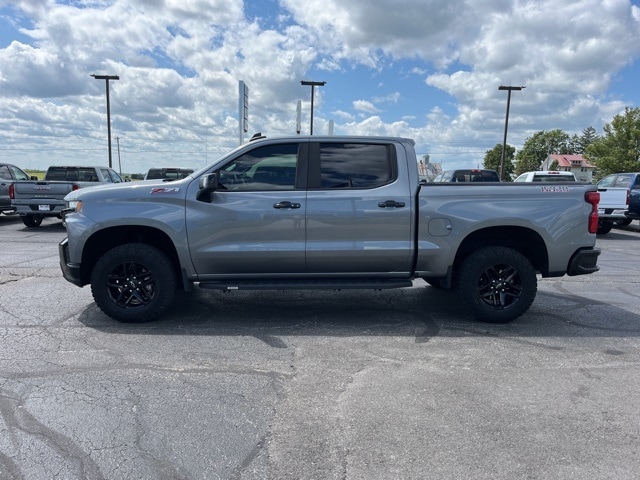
(506,124)
(313,85)
(107,78)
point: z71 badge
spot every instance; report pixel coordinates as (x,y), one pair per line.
(165,190)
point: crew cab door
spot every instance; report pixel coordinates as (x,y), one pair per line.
(254,222)
(359,208)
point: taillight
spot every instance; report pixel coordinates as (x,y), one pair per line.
(594,199)
(12,192)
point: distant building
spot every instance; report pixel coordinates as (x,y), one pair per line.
(580,166)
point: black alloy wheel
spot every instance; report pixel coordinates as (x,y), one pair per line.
(133,282)
(497,284)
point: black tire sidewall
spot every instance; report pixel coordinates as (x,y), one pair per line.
(477,263)
(604,228)
(32,221)
(155,261)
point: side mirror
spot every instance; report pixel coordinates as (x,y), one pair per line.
(207,184)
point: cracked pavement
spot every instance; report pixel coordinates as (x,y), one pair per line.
(351,385)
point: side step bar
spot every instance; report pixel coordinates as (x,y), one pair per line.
(319,284)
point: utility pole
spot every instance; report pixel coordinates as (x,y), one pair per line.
(313,85)
(506,124)
(119,163)
(107,78)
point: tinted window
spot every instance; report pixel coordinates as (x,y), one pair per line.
(354,165)
(607,181)
(470,175)
(553,178)
(168,173)
(272,167)
(4,172)
(623,181)
(19,174)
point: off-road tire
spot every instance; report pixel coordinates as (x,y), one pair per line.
(497,284)
(133,283)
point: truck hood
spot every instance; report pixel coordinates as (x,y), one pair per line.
(136,189)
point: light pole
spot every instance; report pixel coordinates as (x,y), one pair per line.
(107,78)
(313,85)
(506,124)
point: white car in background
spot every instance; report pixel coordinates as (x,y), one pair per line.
(546,176)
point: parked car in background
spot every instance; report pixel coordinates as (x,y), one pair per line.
(33,199)
(168,174)
(546,176)
(467,175)
(9,174)
(630,181)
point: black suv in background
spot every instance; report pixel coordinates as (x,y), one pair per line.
(468,175)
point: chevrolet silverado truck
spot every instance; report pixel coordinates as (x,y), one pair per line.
(325,213)
(34,200)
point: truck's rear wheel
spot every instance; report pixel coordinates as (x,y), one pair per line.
(32,220)
(497,284)
(134,282)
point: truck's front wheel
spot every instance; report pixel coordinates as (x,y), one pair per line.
(497,284)
(134,282)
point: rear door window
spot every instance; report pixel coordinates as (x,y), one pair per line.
(355,165)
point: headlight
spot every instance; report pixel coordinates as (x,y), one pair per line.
(74,206)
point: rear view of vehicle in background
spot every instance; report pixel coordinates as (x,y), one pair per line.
(631,182)
(168,174)
(546,176)
(34,200)
(9,174)
(468,175)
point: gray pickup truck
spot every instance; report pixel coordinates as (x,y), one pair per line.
(325,213)
(34,200)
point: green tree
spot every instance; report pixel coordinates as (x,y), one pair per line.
(618,150)
(493,158)
(538,146)
(580,143)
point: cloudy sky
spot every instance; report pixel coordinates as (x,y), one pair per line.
(425,69)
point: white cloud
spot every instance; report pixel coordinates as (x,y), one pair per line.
(364,106)
(179,63)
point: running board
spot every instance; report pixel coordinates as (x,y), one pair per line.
(328,284)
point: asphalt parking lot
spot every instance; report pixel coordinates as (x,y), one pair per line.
(318,385)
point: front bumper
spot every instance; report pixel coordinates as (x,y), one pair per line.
(584,261)
(70,271)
